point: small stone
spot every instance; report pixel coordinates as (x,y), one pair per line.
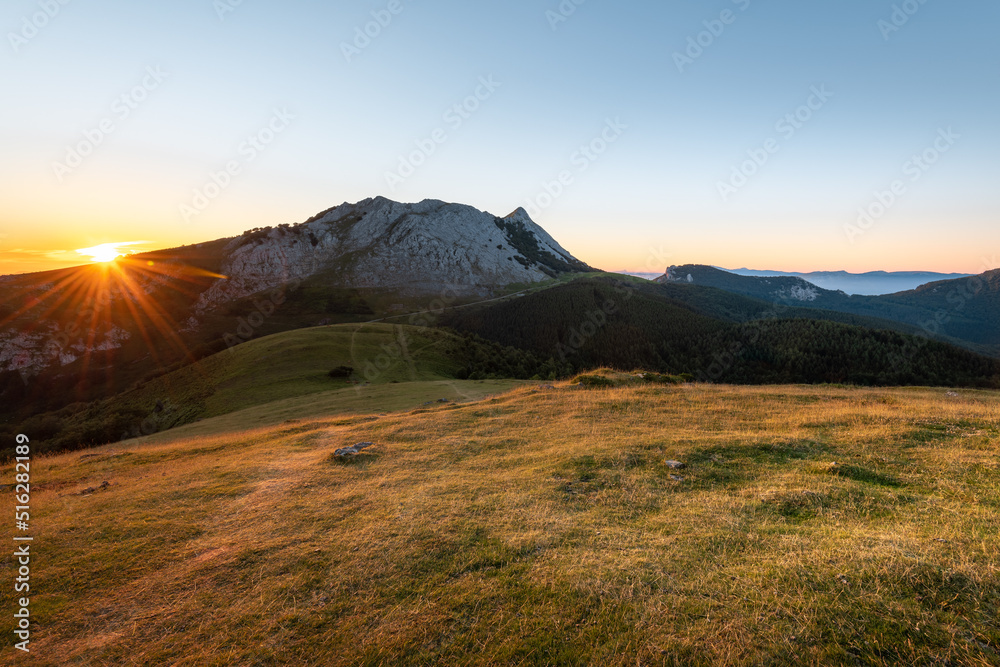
(675,465)
(345,452)
(677,478)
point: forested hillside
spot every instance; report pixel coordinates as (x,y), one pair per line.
(627,325)
(963,311)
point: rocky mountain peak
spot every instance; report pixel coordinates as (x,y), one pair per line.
(420,248)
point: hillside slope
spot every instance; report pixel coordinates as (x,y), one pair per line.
(283,367)
(717,336)
(158,308)
(963,311)
(410,249)
(810,526)
(87,333)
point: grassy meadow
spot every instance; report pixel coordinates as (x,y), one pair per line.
(540,526)
(288,373)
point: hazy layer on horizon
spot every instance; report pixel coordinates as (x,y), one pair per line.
(868,284)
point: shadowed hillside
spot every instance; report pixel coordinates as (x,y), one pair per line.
(345,362)
(963,311)
(718,336)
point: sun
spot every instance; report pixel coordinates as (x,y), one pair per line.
(106,252)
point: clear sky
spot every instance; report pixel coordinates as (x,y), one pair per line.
(117,114)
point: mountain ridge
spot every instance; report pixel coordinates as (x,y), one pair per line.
(421,251)
(410,248)
(963,311)
(868,283)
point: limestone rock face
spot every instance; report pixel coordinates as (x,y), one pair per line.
(781,289)
(414,249)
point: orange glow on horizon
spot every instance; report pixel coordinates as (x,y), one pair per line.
(106,252)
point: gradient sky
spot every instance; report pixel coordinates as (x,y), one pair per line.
(649,200)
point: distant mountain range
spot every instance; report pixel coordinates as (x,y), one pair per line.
(871,283)
(963,311)
(717,336)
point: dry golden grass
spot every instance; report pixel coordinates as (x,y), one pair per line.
(813,525)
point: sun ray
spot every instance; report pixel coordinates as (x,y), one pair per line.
(77,308)
(158,317)
(78,279)
(106,252)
